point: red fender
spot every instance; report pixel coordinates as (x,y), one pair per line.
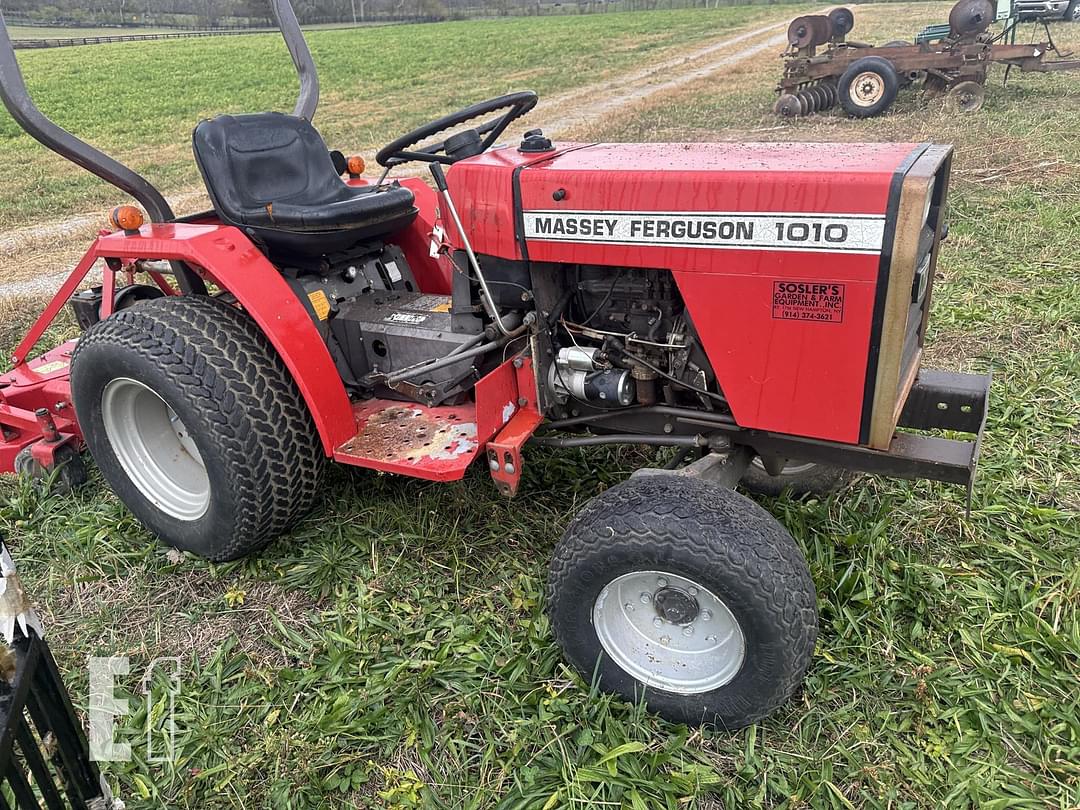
(227,258)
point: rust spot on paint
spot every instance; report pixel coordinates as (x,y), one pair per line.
(405,433)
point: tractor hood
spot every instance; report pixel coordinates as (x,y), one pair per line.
(641,201)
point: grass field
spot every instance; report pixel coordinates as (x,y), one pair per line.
(393,652)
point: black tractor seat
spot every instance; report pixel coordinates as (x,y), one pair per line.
(271,174)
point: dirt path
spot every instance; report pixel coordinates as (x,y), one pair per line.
(34,259)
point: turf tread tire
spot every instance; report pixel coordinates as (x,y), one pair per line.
(722,540)
(214,361)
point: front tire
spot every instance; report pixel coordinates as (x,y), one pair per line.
(196,424)
(687,595)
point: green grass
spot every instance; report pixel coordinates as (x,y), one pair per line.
(141,100)
(393,652)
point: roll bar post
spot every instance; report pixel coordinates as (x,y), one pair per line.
(289,26)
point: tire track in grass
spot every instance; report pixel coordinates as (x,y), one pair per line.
(610,97)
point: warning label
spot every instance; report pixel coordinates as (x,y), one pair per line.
(808,301)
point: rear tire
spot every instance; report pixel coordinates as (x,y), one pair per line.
(798,478)
(868,87)
(640,559)
(196,424)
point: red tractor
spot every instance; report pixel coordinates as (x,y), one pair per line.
(759,307)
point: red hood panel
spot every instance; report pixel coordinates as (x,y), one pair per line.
(776,249)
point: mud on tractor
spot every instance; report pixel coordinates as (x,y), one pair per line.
(823,68)
(761,308)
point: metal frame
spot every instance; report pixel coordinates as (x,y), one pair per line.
(33,706)
(937,400)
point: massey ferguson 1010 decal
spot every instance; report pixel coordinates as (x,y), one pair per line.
(831,233)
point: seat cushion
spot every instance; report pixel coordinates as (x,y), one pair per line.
(272,174)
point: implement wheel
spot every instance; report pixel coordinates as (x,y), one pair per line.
(196,424)
(868,87)
(966,97)
(686,595)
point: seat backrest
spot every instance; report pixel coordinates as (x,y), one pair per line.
(233,153)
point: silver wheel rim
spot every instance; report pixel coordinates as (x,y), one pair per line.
(789,469)
(867,89)
(685,657)
(155,449)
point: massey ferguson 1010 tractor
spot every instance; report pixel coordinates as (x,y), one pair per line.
(760,307)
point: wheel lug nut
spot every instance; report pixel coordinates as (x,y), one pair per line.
(645,598)
(662,582)
(688,631)
(665,639)
(658,622)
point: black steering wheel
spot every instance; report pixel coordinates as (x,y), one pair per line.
(404,149)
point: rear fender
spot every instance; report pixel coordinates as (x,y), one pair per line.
(223,256)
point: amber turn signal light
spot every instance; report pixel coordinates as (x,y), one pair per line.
(126,218)
(356,165)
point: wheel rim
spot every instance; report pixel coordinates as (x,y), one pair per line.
(789,469)
(155,449)
(867,89)
(669,632)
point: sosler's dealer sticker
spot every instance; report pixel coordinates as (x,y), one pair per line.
(808,301)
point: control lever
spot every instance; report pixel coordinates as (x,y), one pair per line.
(489,302)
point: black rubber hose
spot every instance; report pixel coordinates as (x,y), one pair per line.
(659,410)
(653,440)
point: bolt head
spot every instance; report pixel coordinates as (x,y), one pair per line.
(646,598)
(711,639)
(688,631)
(662,582)
(658,622)
(693,591)
(629,606)
(665,639)
(706,615)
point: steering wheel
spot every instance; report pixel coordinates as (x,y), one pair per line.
(405,148)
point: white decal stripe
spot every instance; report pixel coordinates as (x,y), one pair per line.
(831,233)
